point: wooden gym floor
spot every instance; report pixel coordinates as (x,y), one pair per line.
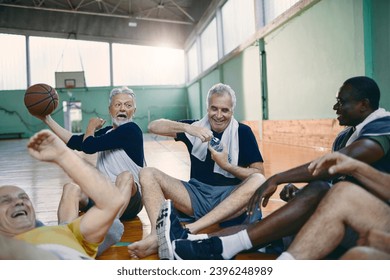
(43,181)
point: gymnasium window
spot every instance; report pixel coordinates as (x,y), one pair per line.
(273,8)
(12,62)
(144,65)
(50,55)
(238,23)
(209,45)
(192,56)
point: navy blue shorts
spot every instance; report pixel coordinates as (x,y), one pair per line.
(134,207)
(131,211)
(205,198)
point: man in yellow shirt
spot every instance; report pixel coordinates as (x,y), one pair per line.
(19,236)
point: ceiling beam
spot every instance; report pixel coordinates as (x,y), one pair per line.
(183,11)
(99,14)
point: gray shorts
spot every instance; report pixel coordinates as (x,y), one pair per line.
(133,208)
(205,198)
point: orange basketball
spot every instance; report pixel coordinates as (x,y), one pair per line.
(41,99)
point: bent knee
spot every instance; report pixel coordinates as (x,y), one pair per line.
(71,189)
(257,177)
(345,188)
(125,175)
(314,191)
(148,173)
(255,180)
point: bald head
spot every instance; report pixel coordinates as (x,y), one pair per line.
(17,214)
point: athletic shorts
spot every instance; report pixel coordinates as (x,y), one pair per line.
(134,207)
(205,198)
(131,211)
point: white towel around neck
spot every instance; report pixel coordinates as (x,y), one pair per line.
(229,139)
(377,114)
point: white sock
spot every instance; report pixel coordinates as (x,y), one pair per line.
(197,236)
(286,256)
(233,244)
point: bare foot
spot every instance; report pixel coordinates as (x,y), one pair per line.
(146,247)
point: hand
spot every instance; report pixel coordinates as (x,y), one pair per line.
(334,163)
(204,134)
(288,192)
(221,158)
(375,238)
(263,193)
(46,119)
(96,123)
(46,146)
(42,118)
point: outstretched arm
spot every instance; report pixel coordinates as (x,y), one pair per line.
(61,132)
(171,128)
(268,188)
(46,146)
(365,150)
(372,179)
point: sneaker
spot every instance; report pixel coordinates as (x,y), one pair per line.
(204,249)
(168,229)
(275,247)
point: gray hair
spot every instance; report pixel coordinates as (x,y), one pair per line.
(221,89)
(124,90)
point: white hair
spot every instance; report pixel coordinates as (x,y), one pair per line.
(221,89)
(124,90)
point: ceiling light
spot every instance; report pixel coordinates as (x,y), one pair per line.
(132,24)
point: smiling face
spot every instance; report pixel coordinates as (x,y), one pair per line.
(350,110)
(17,214)
(122,108)
(220,111)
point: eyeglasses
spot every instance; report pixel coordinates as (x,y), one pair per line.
(340,103)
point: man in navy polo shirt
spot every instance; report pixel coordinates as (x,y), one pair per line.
(221,182)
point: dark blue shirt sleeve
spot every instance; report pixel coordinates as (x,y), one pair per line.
(127,137)
(76,141)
